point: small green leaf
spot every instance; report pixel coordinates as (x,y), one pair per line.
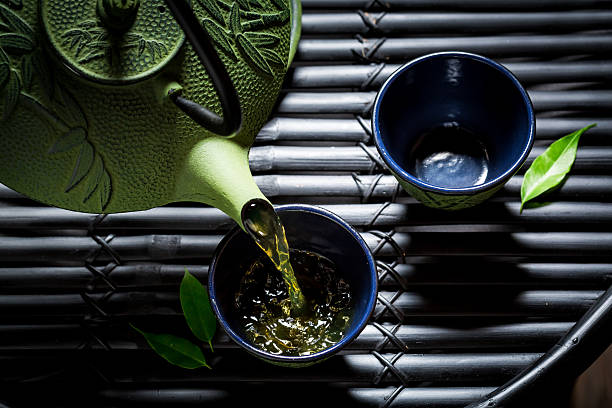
(95,176)
(15,22)
(196,307)
(105,190)
(254,56)
(12,91)
(262,39)
(176,350)
(235,25)
(549,168)
(72,138)
(213,9)
(16,42)
(272,56)
(27,72)
(219,36)
(82,165)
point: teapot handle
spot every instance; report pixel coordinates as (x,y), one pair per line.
(202,45)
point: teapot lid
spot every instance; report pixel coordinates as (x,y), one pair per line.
(112,41)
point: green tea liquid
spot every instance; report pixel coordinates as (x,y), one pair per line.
(263,225)
(279,315)
(261,303)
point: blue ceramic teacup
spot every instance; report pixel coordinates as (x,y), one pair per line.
(453,128)
(307,228)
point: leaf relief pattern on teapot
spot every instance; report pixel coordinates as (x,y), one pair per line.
(21,61)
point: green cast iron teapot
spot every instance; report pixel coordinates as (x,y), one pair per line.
(123,105)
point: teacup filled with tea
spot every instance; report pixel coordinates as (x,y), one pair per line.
(295,301)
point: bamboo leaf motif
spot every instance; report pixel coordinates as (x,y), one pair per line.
(70,139)
(262,39)
(219,36)
(141,46)
(15,22)
(281,5)
(235,25)
(27,72)
(254,56)
(18,43)
(105,190)
(275,18)
(12,91)
(213,9)
(81,167)
(244,4)
(70,109)
(14,3)
(5,68)
(272,56)
(94,178)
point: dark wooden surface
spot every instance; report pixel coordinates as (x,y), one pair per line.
(468,299)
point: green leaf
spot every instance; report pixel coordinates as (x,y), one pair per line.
(262,39)
(176,350)
(219,36)
(82,165)
(95,176)
(72,138)
(256,3)
(213,9)
(235,25)
(549,168)
(196,307)
(27,72)
(253,54)
(12,91)
(272,56)
(15,22)
(105,190)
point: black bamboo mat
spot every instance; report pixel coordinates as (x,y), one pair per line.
(467,299)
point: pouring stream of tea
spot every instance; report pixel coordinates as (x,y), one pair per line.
(264,226)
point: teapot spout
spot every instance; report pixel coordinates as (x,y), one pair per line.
(216,172)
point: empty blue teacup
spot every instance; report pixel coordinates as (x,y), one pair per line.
(307,228)
(453,128)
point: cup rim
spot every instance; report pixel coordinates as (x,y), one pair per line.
(405,175)
(361,324)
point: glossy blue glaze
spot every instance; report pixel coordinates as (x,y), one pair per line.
(309,228)
(454,89)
